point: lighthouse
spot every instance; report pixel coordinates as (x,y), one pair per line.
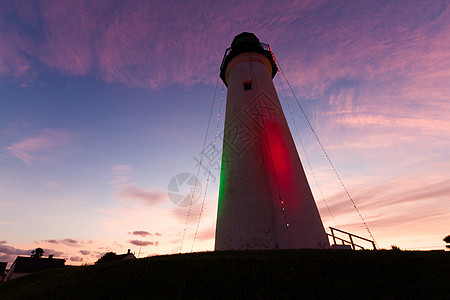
(265,201)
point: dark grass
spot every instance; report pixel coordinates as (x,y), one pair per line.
(278,274)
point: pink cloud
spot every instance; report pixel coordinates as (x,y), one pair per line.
(318,41)
(378,49)
(10,223)
(145,195)
(16,47)
(41,147)
(121,174)
(207,234)
(407,204)
(69,35)
(180,214)
(138,43)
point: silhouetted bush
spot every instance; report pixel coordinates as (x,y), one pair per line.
(110,256)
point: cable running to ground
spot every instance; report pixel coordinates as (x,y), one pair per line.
(200,162)
(327,157)
(209,168)
(304,152)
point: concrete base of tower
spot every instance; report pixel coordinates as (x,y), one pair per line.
(254,237)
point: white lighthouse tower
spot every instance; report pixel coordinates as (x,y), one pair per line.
(265,201)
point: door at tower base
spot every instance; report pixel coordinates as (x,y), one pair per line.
(265,201)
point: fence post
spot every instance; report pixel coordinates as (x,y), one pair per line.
(351,241)
(332,234)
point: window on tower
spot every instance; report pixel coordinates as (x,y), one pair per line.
(247,85)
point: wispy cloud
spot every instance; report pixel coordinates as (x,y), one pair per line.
(10,223)
(144,195)
(132,191)
(121,174)
(137,43)
(411,205)
(44,146)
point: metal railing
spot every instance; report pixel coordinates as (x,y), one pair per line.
(350,240)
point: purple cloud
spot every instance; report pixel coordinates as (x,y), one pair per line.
(85,252)
(137,43)
(70,241)
(10,250)
(318,42)
(9,258)
(5,249)
(3,242)
(76,258)
(51,241)
(53,252)
(141,233)
(143,243)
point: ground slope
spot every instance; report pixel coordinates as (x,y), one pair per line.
(337,274)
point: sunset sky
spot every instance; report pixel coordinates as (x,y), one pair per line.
(102,103)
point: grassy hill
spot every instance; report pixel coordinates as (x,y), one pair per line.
(337,274)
